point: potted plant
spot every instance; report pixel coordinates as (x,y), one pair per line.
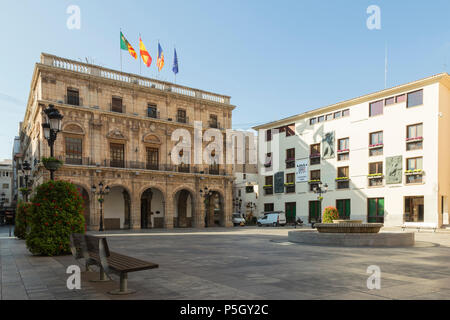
(51,163)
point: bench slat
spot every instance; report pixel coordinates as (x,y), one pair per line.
(123,263)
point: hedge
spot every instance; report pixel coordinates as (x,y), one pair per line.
(22,215)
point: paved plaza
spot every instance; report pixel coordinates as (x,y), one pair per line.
(237,263)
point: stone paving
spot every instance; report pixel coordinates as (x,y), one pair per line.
(238,263)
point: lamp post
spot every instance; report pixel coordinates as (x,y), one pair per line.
(51,127)
(101,198)
(26,168)
(320,189)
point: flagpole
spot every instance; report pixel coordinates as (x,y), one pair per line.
(140,55)
(120,51)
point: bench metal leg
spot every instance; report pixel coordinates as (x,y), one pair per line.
(123,286)
(103,276)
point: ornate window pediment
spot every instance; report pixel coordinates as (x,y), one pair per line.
(73,128)
(116,134)
(151,138)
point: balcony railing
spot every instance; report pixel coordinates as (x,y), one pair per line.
(97,71)
(109,163)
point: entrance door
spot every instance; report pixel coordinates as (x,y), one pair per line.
(314,211)
(375,210)
(291,211)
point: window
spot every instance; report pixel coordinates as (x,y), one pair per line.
(314,211)
(290,158)
(414,170)
(400,98)
(312,121)
(268,185)
(117,155)
(329,117)
(74,150)
(345,112)
(375,174)
(342,180)
(343,206)
(290,183)
(314,154)
(375,210)
(414,209)
(73,97)
(376,143)
(314,179)
(269,135)
(249,189)
(268,162)
(415,98)
(414,137)
(389,101)
(116,104)
(343,149)
(213,121)
(337,114)
(268,207)
(290,130)
(152,111)
(6,186)
(181,116)
(376,108)
(321,119)
(152,158)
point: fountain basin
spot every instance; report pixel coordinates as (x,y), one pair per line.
(348,227)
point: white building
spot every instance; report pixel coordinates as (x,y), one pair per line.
(384,157)
(6,175)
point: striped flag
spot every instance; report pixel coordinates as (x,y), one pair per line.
(160,59)
(144,53)
(125,45)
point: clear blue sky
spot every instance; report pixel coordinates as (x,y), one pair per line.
(275,58)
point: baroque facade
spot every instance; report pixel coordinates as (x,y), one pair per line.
(117,129)
(384,157)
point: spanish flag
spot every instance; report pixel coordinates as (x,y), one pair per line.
(125,45)
(160,59)
(144,54)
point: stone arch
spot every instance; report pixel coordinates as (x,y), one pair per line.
(215,209)
(117,208)
(152,207)
(184,207)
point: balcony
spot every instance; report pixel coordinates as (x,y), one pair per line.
(182,119)
(414,176)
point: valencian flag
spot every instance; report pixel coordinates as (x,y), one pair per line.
(160,59)
(144,54)
(175,62)
(125,45)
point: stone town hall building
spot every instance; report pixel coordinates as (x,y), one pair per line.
(117,130)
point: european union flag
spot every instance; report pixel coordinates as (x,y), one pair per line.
(175,62)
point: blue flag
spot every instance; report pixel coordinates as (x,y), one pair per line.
(175,62)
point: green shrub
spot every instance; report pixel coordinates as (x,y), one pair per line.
(57,211)
(330,214)
(22,214)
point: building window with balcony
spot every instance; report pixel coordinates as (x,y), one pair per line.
(116,104)
(375,176)
(290,183)
(268,161)
(117,151)
(414,99)
(343,178)
(74,150)
(414,170)
(152,159)
(375,210)
(73,97)
(343,149)
(414,209)
(181,116)
(213,123)
(290,158)
(376,143)
(268,185)
(343,207)
(314,179)
(414,137)
(152,111)
(314,154)
(376,108)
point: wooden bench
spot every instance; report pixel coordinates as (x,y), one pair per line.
(420,225)
(95,251)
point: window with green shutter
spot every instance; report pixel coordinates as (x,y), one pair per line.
(343,206)
(375,210)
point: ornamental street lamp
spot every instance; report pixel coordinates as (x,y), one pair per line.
(320,189)
(26,168)
(51,126)
(101,198)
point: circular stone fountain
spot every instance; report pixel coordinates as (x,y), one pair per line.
(352,233)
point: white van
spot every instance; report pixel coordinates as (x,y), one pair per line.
(275,218)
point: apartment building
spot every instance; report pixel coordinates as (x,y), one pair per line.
(381,157)
(6,176)
(117,130)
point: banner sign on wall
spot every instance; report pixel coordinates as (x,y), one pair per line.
(301,170)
